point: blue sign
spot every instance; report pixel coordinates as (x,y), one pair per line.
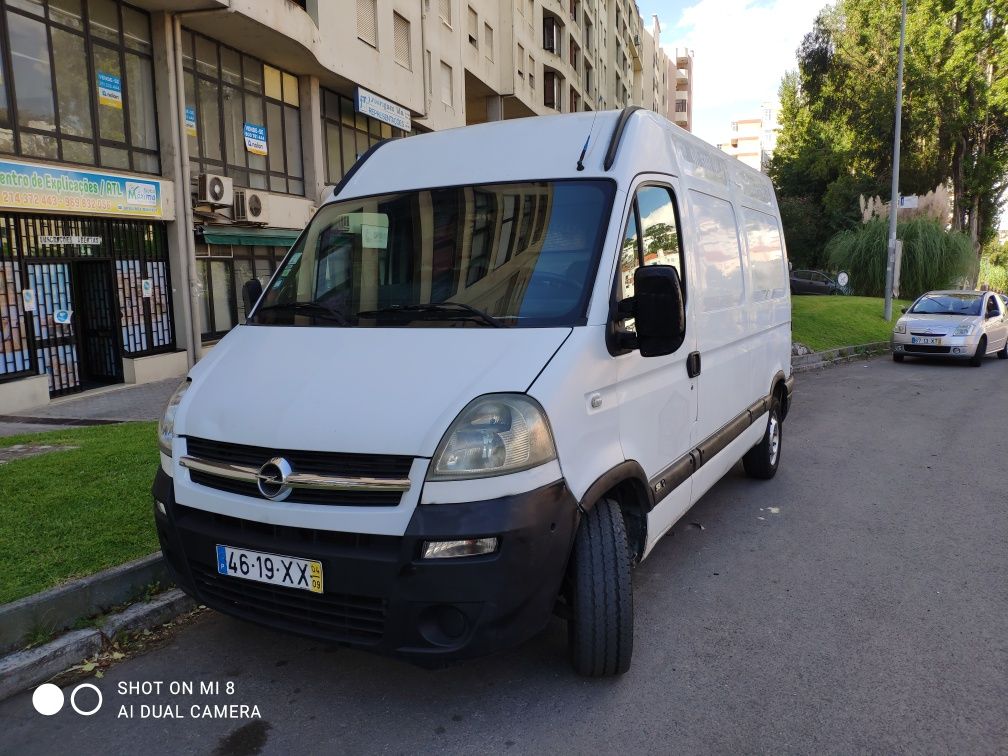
(190,121)
(35,186)
(255,139)
(109,90)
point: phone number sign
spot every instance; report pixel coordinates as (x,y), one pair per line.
(33,186)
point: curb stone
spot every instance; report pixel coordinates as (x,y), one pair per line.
(58,608)
(820,360)
(24,669)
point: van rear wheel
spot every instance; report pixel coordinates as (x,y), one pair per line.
(763,459)
(600,624)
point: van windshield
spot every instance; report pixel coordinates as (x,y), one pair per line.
(491,255)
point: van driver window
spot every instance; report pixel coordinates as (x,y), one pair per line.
(651,238)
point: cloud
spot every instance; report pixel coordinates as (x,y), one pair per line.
(742,50)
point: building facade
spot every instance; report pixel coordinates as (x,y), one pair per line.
(157,154)
(753,139)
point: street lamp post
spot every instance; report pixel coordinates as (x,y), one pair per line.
(894,194)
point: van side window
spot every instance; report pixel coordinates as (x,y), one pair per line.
(720,263)
(766,256)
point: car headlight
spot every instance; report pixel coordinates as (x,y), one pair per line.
(964,330)
(900,327)
(166,428)
(494,435)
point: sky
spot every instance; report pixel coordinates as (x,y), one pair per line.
(742,50)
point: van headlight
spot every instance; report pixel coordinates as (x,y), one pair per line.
(494,435)
(166,428)
(964,330)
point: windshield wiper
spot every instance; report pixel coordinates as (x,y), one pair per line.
(314,308)
(442,308)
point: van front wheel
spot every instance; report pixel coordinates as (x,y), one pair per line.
(763,459)
(600,624)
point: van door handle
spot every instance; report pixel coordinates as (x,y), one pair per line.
(693,364)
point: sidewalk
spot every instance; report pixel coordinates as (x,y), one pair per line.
(115,404)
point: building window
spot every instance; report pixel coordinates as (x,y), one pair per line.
(401,33)
(78,84)
(488,42)
(551,35)
(531,70)
(521,62)
(447,86)
(243,117)
(445,8)
(473,25)
(222,271)
(551,90)
(680,106)
(348,134)
(367,22)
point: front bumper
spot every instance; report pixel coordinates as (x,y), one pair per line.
(952,347)
(378,593)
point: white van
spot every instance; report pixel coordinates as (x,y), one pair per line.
(496,367)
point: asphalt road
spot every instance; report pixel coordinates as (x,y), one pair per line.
(856,603)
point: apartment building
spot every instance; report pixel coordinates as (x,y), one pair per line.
(753,139)
(157,154)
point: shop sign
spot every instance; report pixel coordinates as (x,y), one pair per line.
(109,90)
(73,241)
(28,299)
(370,104)
(190,121)
(255,139)
(147,287)
(62,317)
(34,186)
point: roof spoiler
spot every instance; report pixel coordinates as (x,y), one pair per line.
(617,135)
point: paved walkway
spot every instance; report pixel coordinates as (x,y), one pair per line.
(127,402)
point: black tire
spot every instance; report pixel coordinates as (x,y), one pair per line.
(600,625)
(977,359)
(763,459)
(897,357)
(1003,353)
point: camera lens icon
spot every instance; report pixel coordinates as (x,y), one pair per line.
(48,699)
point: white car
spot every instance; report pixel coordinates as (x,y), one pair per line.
(481,387)
(965,325)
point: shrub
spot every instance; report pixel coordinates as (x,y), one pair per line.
(992,275)
(932,257)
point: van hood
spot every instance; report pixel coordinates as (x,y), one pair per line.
(367,390)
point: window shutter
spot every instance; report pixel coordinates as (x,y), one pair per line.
(447,86)
(401,29)
(367,21)
(446,11)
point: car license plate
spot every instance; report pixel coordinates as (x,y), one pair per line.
(290,572)
(928,340)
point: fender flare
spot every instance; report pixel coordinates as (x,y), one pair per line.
(626,470)
(786,386)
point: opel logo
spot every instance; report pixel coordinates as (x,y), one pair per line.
(272,479)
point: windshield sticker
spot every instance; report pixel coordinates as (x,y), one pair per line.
(374,237)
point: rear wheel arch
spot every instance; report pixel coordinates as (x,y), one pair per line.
(778,390)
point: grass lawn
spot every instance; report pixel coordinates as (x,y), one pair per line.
(829,322)
(67,514)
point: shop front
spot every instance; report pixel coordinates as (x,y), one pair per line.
(83,297)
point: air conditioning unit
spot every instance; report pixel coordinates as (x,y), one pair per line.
(212,189)
(251,206)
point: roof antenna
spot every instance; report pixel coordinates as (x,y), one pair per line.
(580,162)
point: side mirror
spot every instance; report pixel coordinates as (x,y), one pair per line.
(251,291)
(903,310)
(659,310)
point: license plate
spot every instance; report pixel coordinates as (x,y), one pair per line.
(290,572)
(927,340)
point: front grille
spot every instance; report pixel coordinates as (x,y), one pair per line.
(338,617)
(925,333)
(926,349)
(322,463)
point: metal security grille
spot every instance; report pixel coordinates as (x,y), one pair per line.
(94,268)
